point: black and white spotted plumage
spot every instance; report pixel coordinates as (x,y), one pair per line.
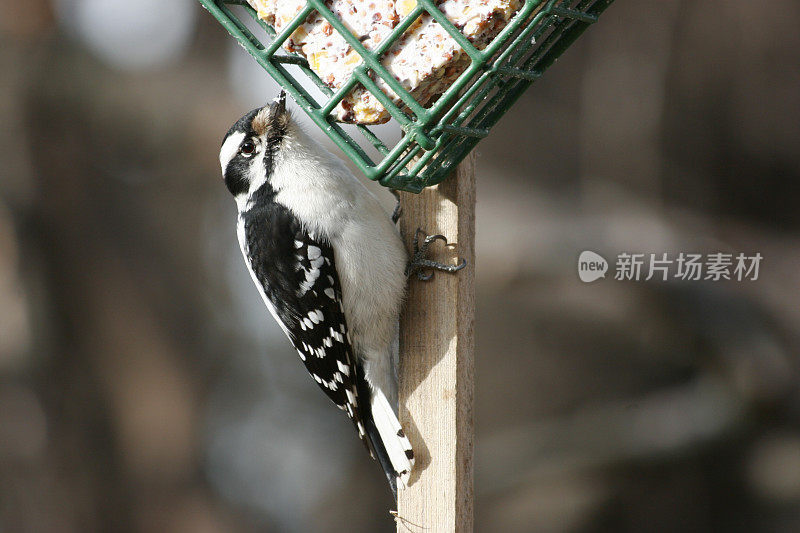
(329,265)
(297,274)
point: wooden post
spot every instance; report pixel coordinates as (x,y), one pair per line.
(437,362)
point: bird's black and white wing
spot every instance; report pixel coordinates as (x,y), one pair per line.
(296,275)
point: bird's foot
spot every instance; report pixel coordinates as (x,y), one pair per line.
(424,267)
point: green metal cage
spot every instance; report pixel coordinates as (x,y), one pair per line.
(436,138)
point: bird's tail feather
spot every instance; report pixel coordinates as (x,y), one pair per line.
(394,439)
(379,451)
(386,437)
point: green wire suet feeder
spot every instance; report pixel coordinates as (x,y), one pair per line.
(438,137)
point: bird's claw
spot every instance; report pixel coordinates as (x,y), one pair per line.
(424,267)
(398,209)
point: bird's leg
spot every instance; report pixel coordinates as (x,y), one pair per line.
(398,209)
(421,265)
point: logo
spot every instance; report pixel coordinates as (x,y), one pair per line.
(591,266)
(684,266)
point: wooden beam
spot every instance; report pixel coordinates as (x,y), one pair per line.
(437,362)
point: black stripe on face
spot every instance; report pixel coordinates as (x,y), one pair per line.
(237,175)
(274,132)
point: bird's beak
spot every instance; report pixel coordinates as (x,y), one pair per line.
(279,105)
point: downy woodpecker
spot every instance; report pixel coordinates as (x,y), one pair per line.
(329,265)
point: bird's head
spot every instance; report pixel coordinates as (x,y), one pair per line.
(249,147)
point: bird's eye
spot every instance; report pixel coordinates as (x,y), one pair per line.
(248,148)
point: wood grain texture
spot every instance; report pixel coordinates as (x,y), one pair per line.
(437,362)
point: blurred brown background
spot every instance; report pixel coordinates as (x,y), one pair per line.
(143,387)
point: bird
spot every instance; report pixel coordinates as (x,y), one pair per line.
(330,265)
